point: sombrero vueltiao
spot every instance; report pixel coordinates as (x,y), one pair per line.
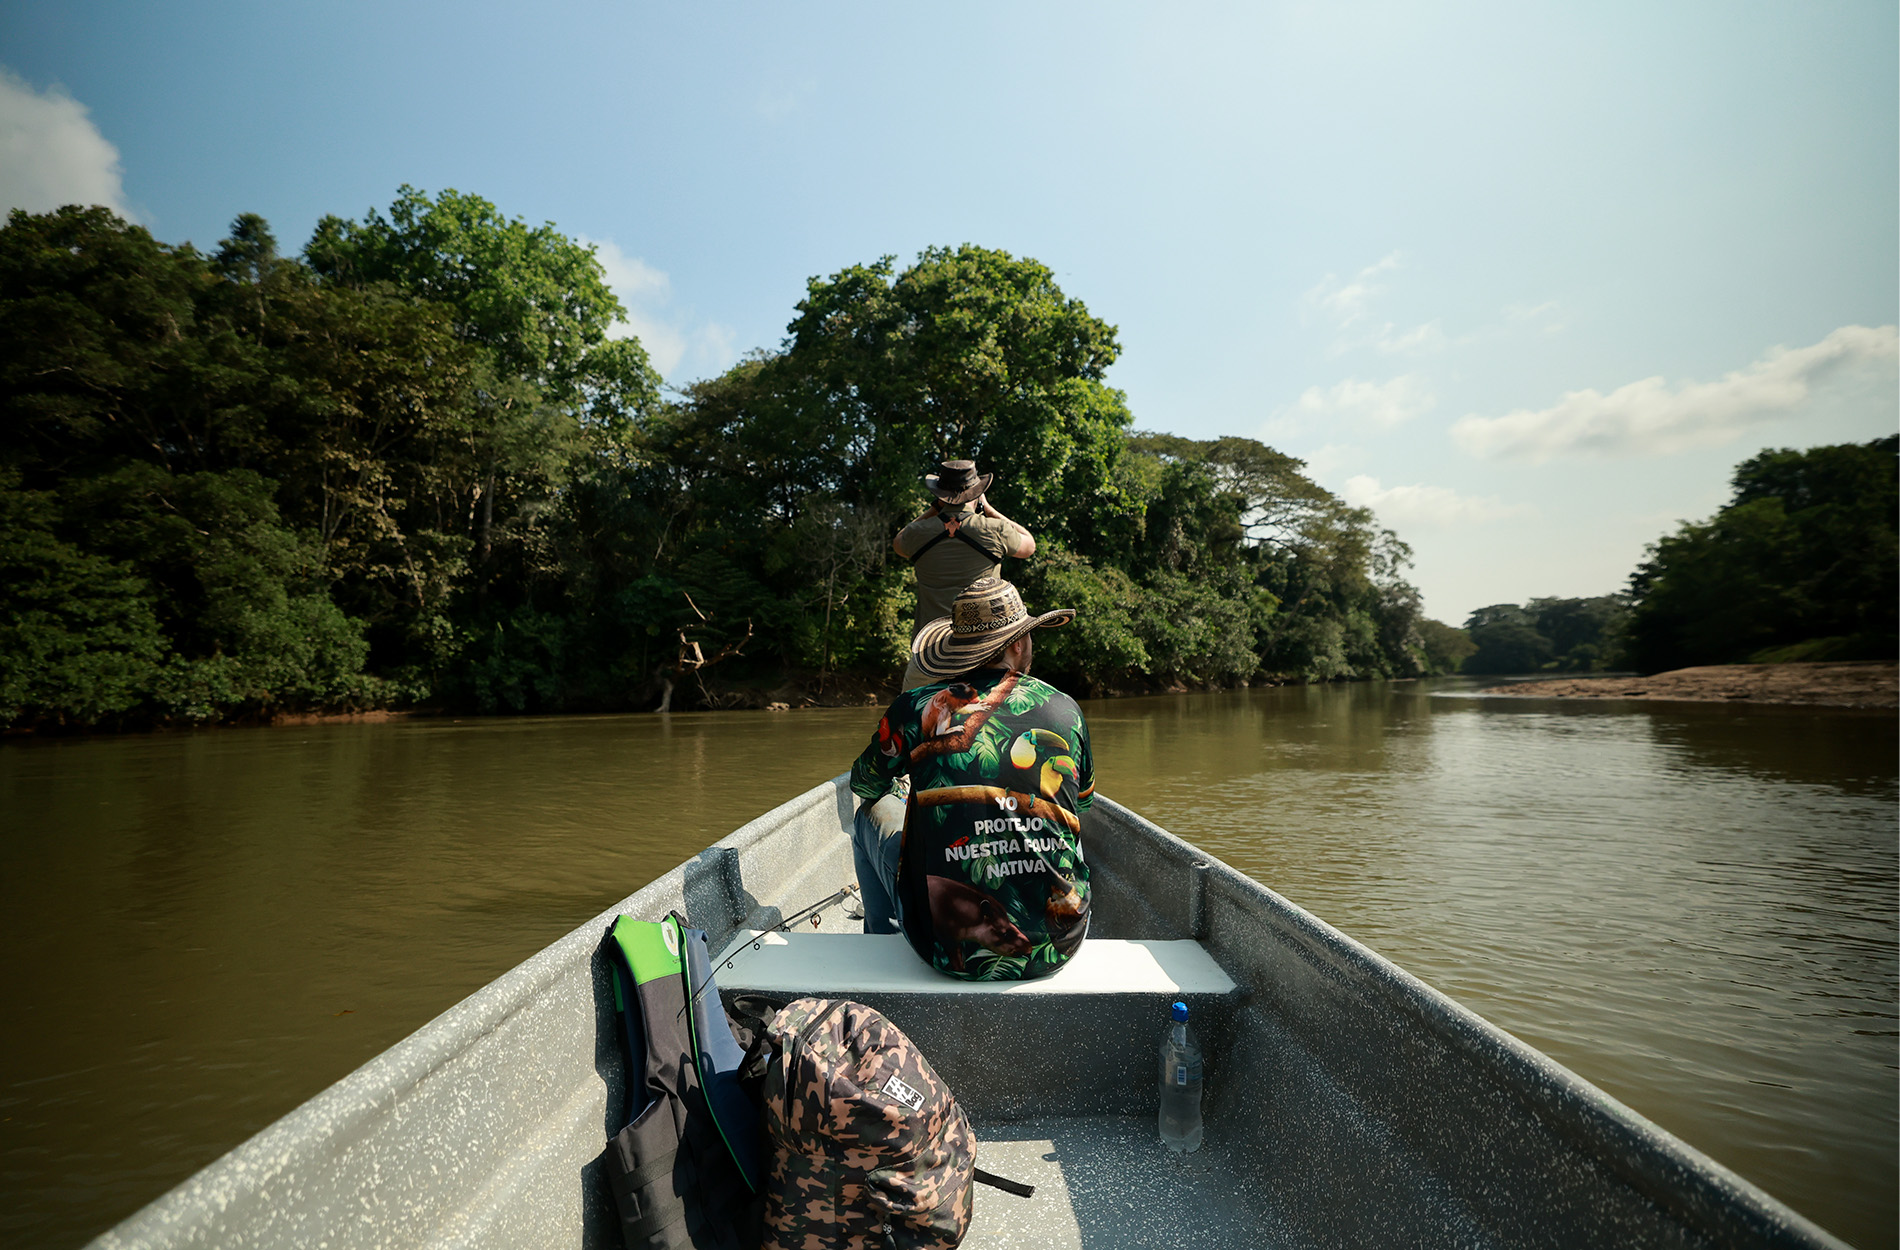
(987,616)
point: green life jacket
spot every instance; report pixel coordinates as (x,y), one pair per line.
(685,1170)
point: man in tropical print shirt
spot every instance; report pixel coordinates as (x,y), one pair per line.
(968,836)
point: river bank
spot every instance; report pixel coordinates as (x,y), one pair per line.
(1856,684)
(1860,684)
(780,692)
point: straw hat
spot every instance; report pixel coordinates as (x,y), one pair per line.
(987,617)
(957,481)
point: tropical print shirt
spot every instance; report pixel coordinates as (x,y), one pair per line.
(991,882)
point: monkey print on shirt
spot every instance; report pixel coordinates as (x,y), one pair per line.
(991,880)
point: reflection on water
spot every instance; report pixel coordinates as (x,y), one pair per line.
(1693,908)
(203,930)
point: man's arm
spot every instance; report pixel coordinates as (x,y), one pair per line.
(1084,766)
(897,543)
(876,770)
(1026,546)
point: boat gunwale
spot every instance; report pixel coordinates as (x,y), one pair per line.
(343,1111)
(1665,1169)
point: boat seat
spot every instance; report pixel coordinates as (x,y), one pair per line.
(1079,1042)
(832,965)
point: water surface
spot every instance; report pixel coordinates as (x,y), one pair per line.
(1692,907)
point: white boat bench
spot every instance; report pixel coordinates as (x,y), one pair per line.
(837,965)
(1081,1041)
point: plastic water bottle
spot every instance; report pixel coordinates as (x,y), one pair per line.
(1180,1085)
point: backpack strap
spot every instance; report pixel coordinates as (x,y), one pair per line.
(1003,1183)
(751,1017)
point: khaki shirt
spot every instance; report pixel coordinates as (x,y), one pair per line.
(952,564)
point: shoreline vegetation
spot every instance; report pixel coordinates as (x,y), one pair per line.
(419,466)
(797,692)
(1860,684)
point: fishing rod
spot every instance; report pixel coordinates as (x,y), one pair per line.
(815,913)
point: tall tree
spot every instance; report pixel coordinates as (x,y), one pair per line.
(536,298)
(1800,564)
(550,400)
(1507,641)
(1446,646)
(1584,634)
(112,351)
(969,352)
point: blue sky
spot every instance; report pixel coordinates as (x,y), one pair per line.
(1526,279)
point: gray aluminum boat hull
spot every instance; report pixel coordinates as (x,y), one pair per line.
(1350,1104)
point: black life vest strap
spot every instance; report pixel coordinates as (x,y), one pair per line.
(953,529)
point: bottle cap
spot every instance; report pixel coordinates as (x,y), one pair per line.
(1180,1013)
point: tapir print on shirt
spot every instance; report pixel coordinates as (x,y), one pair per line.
(991,880)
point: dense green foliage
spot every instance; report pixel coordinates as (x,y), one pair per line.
(1564,635)
(1446,646)
(1800,565)
(413,465)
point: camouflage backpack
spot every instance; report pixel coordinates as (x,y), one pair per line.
(867,1146)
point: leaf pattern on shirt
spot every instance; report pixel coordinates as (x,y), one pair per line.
(987,752)
(1003,821)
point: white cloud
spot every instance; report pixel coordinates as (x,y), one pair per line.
(705,349)
(51,154)
(1329,461)
(1544,318)
(1423,340)
(716,342)
(629,276)
(1383,404)
(1346,302)
(666,346)
(1530,312)
(1424,507)
(1651,418)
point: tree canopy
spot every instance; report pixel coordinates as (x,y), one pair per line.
(413,464)
(1800,564)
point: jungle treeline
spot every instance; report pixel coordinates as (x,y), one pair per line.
(1803,563)
(414,465)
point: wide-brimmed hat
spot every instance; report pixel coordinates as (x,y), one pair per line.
(957,481)
(987,616)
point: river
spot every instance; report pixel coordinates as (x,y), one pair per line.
(1693,907)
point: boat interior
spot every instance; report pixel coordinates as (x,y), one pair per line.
(1058,1078)
(1347,1103)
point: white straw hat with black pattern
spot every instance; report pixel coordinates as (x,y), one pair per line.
(987,616)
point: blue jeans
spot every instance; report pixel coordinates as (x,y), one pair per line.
(877,835)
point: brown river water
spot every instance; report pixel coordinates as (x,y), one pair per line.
(1693,907)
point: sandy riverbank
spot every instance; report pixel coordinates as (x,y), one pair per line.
(1870,683)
